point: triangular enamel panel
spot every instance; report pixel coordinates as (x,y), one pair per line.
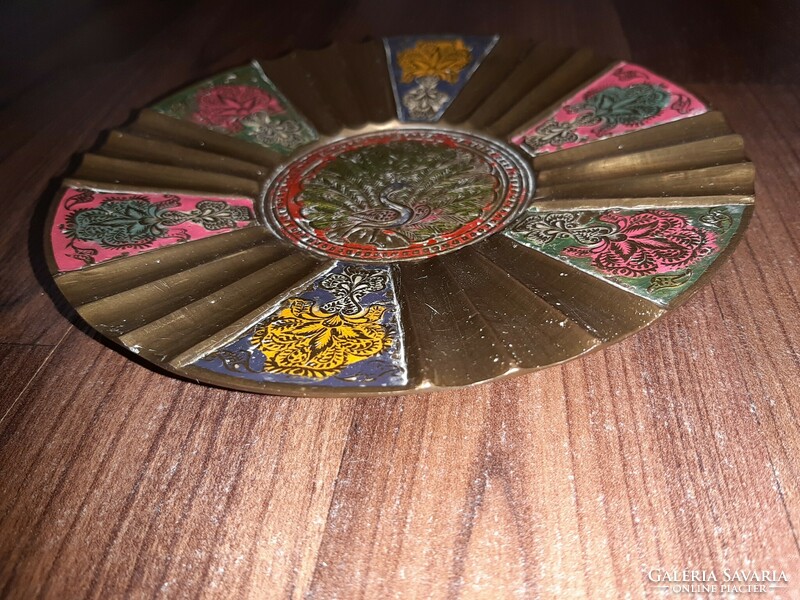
(343,330)
(243,103)
(655,253)
(428,72)
(625,98)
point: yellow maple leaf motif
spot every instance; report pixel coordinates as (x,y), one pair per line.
(444,59)
(302,339)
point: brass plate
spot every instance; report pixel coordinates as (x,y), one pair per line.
(408,214)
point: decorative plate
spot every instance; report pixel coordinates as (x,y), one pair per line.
(415,213)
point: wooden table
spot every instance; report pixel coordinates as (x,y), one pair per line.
(675,449)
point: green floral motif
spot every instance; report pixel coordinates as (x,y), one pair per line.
(136,222)
(630,106)
(395,194)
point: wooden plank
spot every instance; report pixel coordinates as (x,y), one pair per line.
(144,481)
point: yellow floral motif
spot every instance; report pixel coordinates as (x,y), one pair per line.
(305,340)
(443,59)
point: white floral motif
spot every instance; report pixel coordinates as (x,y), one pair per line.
(267,131)
(425,101)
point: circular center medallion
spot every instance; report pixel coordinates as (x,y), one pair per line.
(398,195)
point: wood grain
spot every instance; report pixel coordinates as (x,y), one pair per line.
(676,448)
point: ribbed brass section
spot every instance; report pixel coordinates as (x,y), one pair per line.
(369,76)
(143,304)
(289,74)
(117,170)
(336,83)
(628,203)
(118,275)
(601,308)
(169,336)
(574,73)
(708,125)
(447,340)
(152,123)
(150,150)
(540,62)
(535,333)
(491,73)
(736,179)
(234,330)
(717,151)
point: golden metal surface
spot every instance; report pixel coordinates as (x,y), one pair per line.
(116,170)
(534,332)
(495,71)
(447,330)
(724,179)
(573,73)
(604,310)
(716,151)
(116,276)
(644,202)
(133,147)
(138,306)
(708,125)
(492,310)
(151,123)
(540,62)
(369,76)
(174,333)
(214,341)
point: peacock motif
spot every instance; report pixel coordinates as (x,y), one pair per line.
(396,194)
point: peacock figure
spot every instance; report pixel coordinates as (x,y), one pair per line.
(393,195)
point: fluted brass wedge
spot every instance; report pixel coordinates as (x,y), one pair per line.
(404,214)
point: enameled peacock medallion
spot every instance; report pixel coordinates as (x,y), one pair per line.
(398,195)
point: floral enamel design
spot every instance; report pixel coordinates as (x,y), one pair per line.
(655,253)
(247,109)
(224,107)
(718,218)
(135,222)
(429,72)
(554,133)
(646,243)
(315,341)
(425,100)
(612,106)
(673,280)
(441,59)
(271,132)
(624,99)
(243,103)
(427,63)
(342,331)
(543,228)
(94,226)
